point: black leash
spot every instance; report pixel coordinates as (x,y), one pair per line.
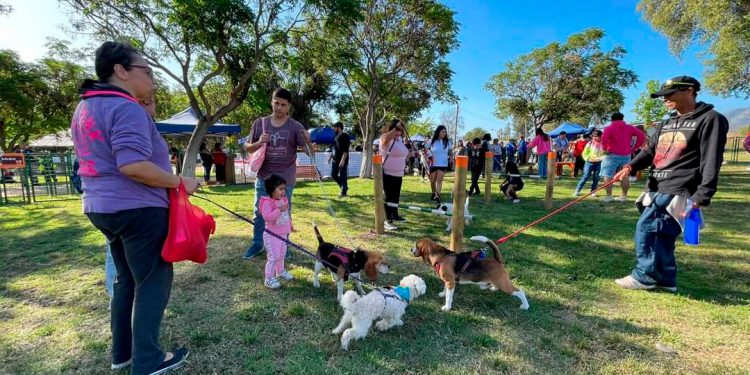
(285,240)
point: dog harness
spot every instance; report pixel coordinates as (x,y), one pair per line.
(474,255)
(402,294)
(342,254)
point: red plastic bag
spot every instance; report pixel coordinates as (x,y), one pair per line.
(189,229)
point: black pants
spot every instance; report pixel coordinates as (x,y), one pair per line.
(221,172)
(207,171)
(392,188)
(341,176)
(579,165)
(476,172)
(142,286)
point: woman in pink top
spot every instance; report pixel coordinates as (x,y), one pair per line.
(394,154)
(542,146)
(275,211)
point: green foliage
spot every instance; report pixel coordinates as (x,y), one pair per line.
(579,322)
(648,109)
(215,50)
(572,81)
(423,127)
(722,27)
(474,133)
(36,98)
(391,60)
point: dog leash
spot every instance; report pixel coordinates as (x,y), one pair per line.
(553,213)
(285,240)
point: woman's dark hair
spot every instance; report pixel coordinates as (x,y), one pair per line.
(487,137)
(476,141)
(272,182)
(282,93)
(511,168)
(217,146)
(110,54)
(541,132)
(394,124)
(436,136)
(203,146)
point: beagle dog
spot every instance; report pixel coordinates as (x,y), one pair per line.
(467,268)
(343,262)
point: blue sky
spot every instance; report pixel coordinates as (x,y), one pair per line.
(492,32)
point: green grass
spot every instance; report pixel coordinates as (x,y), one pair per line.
(54,319)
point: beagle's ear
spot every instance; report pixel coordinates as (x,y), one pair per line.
(371,266)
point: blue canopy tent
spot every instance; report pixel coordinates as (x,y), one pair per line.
(322,135)
(184,123)
(572,130)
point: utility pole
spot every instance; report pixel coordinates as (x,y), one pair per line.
(455,129)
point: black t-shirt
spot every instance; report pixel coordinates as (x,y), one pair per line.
(340,146)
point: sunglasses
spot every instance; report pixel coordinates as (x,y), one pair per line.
(147,69)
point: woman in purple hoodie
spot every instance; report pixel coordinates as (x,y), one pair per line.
(125,170)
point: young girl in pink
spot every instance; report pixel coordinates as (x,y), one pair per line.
(275,211)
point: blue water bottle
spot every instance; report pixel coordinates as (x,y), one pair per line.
(693,224)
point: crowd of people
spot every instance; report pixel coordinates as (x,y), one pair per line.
(125,171)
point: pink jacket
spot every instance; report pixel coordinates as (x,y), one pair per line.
(618,138)
(276,221)
(542,146)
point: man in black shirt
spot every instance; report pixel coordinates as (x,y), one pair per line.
(340,158)
(686,152)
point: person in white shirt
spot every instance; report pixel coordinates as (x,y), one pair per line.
(440,148)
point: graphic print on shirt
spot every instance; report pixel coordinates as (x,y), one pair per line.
(672,142)
(277,146)
(84,133)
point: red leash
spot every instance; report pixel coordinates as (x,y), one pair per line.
(553,213)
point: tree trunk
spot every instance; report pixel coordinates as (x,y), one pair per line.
(191,153)
(369,129)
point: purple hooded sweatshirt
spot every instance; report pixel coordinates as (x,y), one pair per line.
(111,130)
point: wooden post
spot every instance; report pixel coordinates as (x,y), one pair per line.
(551,159)
(489,159)
(459,198)
(377,171)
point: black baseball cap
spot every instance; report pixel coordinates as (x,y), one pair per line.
(676,83)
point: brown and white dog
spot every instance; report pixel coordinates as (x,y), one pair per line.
(487,272)
(342,263)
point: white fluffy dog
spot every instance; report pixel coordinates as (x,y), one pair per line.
(385,304)
(448,207)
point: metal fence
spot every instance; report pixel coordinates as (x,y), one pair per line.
(734,152)
(46,177)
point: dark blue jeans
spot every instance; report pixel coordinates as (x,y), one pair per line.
(589,170)
(341,176)
(142,286)
(655,236)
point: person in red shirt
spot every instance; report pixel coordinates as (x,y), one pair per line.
(220,159)
(578,146)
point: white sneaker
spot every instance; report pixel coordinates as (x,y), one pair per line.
(516,201)
(621,199)
(273,283)
(593,194)
(286,276)
(388,226)
(607,199)
(577,193)
(120,366)
(632,179)
(628,282)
